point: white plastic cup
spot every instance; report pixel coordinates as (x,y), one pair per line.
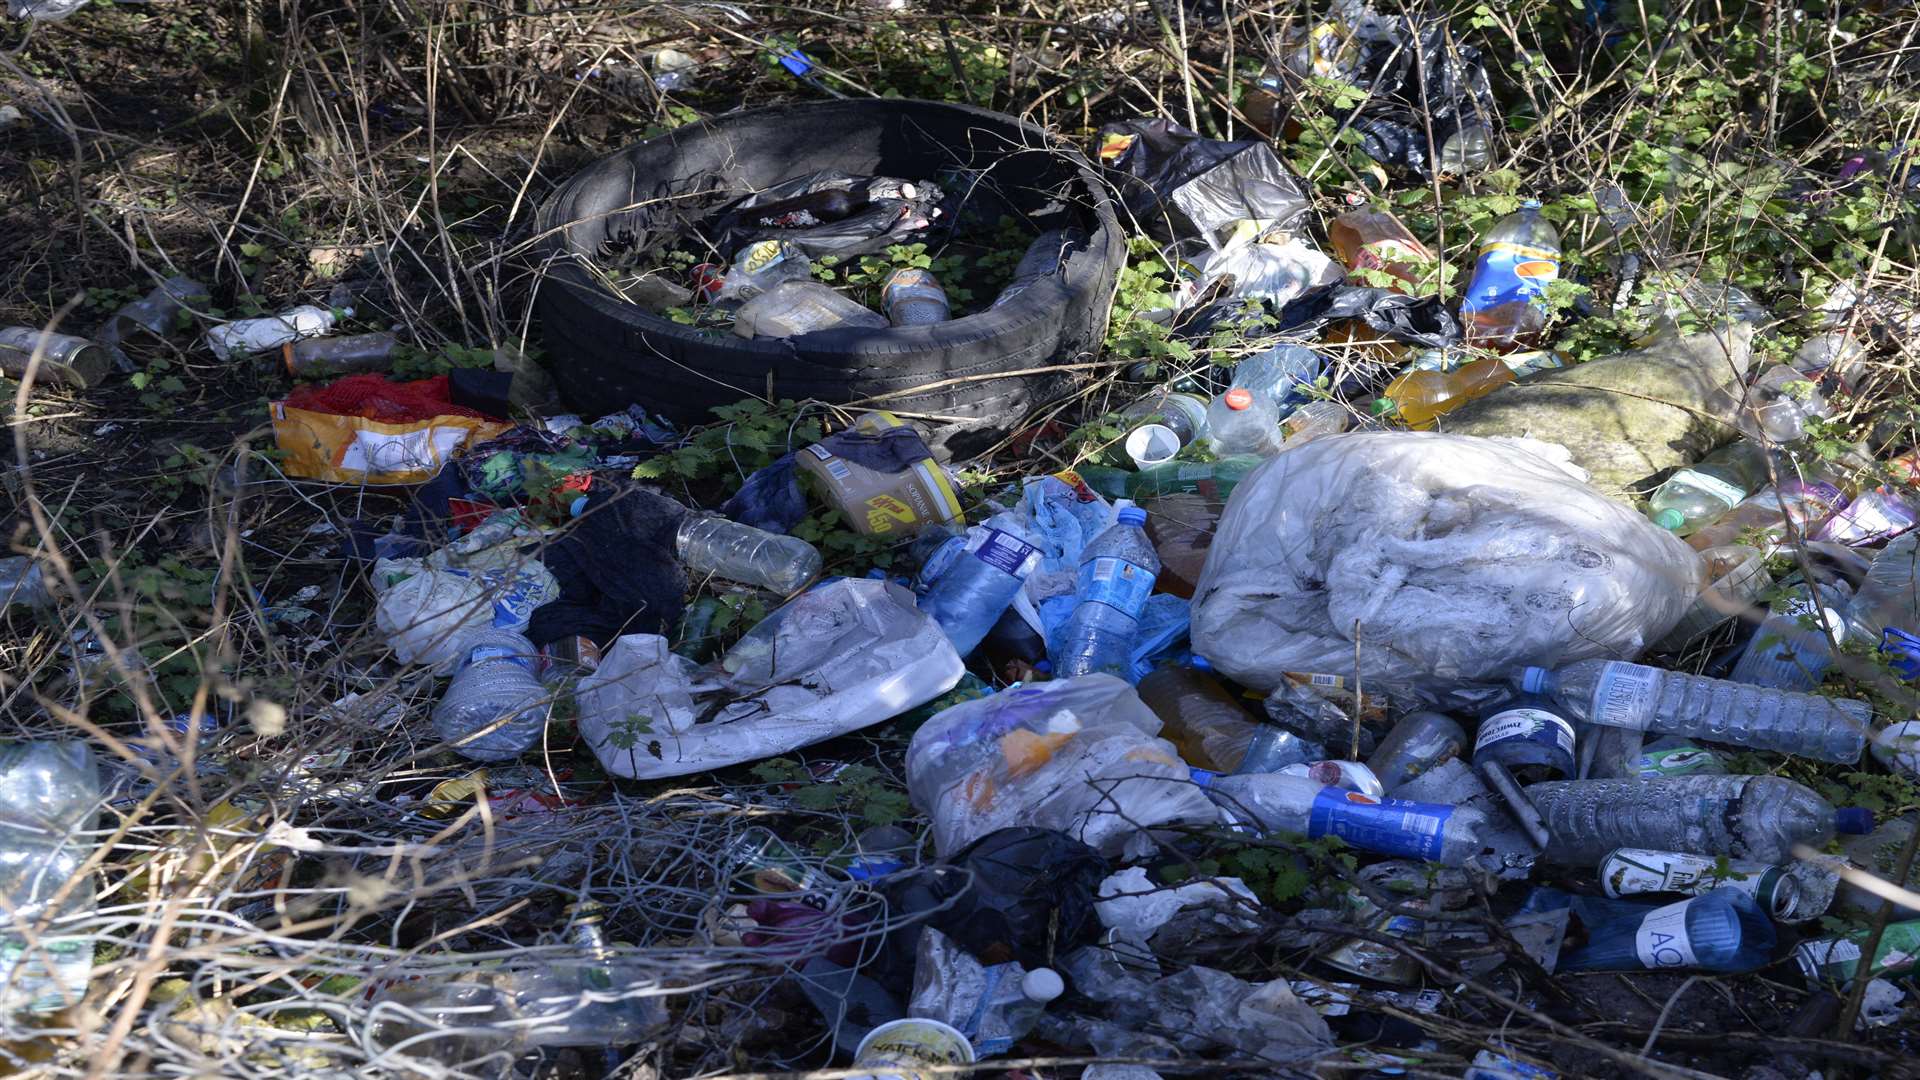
(901,1049)
(1152,444)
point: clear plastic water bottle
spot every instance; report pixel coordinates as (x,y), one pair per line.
(1242,422)
(1890,595)
(1786,654)
(1280,374)
(1724,931)
(1618,694)
(728,549)
(496,707)
(1117,571)
(966,599)
(49,800)
(1748,817)
(792,308)
(1707,490)
(1014,1005)
(1296,804)
(23,582)
(1778,405)
(1875,515)
(1419,742)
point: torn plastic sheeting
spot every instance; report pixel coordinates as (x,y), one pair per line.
(1458,560)
(1132,903)
(1277,273)
(868,229)
(843,656)
(1177,183)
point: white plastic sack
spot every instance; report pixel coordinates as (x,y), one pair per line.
(841,657)
(1076,755)
(1278,273)
(1461,559)
(425,612)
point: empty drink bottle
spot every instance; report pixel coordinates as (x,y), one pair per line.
(913,297)
(1372,240)
(1419,742)
(1117,571)
(728,549)
(1214,479)
(792,308)
(1314,419)
(1787,654)
(1212,731)
(496,707)
(1747,817)
(1890,595)
(1168,421)
(1296,804)
(1618,694)
(1778,404)
(1795,504)
(1418,397)
(244,337)
(1506,303)
(1706,491)
(967,597)
(1723,931)
(1241,422)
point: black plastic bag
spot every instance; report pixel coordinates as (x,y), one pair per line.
(1415,320)
(1021,894)
(1178,184)
(883,221)
(1456,96)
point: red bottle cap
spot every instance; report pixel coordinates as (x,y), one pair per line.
(1239,398)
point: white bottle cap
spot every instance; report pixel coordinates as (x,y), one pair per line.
(1042,985)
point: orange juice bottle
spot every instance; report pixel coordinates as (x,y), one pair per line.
(1420,395)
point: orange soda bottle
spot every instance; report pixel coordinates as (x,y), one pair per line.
(1368,239)
(1420,395)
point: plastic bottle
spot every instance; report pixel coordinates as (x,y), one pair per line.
(728,549)
(1785,654)
(1214,479)
(1778,404)
(1295,804)
(1890,595)
(1736,578)
(1200,718)
(1505,305)
(1418,397)
(152,316)
(331,356)
(756,268)
(1117,571)
(1641,698)
(967,598)
(791,308)
(67,359)
(1181,528)
(496,687)
(1241,422)
(50,796)
(1747,817)
(1631,871)
(1314,419)
(1167,422)
(1419,742)
(913,297)
(1723,931)
(1279,374)
(1013,1008)
(1837,961)
(1795,503)
(1468,150)
(1707,490)
(1042,259)
(244,337)
(1873,516)
(1367,239)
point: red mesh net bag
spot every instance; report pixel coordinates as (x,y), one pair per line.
(376,397)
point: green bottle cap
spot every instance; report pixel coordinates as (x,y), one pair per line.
(1670,519)
(1383,405)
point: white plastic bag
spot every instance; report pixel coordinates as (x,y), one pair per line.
(1460,559)
(1076,755)
(838,658)
(425,608)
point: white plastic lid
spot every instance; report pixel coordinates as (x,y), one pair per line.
(1042,984)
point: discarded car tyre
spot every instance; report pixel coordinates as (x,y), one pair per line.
(608,353)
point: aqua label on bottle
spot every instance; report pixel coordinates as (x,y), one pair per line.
(1116,583)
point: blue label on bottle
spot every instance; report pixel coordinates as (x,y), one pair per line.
(1388,826)
(1116,583)
(1510,272)
(1004,552)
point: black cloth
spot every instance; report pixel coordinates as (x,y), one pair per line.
(616,567)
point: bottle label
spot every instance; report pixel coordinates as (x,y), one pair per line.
(1004,552)
(762,256)
(1528,725)
(1523,364)
(1637,870)
(1116,583)
(498,652)
(1726,492)
(1387,826)
(1662,941)
(47,975)
(1677,761)
(1624,697)
(1508,273)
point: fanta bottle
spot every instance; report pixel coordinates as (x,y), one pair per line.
(1506,303)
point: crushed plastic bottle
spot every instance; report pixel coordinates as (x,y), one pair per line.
(978,584)
(1241,422)
(1736,579)
(1778,404)
(1418,744)
(1709,489)
(1314,419)
(728,549)
(1117,571)
(1212,730)
(760,266)
(1875,515)
(331,356)
(1373,240)
(1505,307)
(993,1005)
(1801,504)
(1890,595)
(496,707)
(792,308)
(1618,694)
(1305,807)
(1747,817)
(1168,422)
(1788,655)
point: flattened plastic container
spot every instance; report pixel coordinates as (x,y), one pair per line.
(609,353)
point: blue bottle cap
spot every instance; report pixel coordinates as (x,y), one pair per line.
(1530,204)
(1854,820)
(1535,680)
(797,62)
(1202,777)
(578,506)
(1200,663)
(1044,667)
(1133,515)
